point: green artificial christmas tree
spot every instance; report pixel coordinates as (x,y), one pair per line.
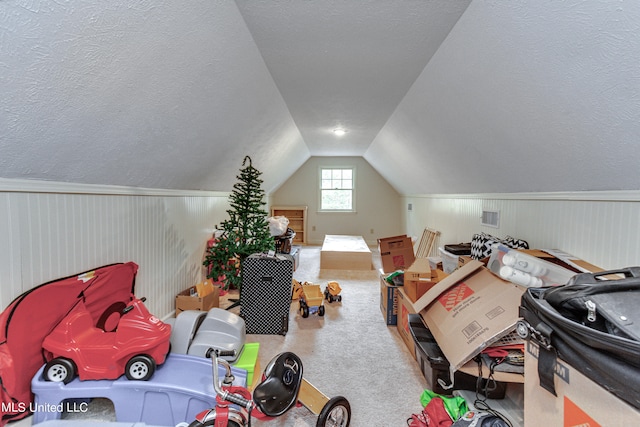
(245,232)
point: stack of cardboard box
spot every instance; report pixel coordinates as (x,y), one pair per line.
(471,309)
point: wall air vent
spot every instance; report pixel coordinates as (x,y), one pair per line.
(491,218)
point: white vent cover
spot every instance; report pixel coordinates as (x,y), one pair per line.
(491,218)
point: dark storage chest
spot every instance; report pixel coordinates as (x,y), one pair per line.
(435,366)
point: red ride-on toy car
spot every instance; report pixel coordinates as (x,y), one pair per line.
(134,347)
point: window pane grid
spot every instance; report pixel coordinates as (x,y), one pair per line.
(336,189)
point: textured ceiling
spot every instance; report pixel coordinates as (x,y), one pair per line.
(346,64)
(439,96)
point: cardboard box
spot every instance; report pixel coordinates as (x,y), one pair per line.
(463,259)
(468,310)
(579,401)
(396,253)
(419,278)
(435,366)
(189,300)
(388,301)
(405,307)
(414,289)
(419,269)
(565,260)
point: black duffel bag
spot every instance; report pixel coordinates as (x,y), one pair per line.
(592,323)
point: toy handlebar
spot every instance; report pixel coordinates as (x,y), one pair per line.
(225,394)
(237,399)
(128,308)
(219,353)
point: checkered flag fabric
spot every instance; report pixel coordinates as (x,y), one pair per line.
(265,297)
(482,242)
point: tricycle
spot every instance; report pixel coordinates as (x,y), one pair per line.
(282,387)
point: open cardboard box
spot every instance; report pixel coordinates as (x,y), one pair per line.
(564,259)
(396,253)
(419,278)
(189,300)
(469,310)
(415,288)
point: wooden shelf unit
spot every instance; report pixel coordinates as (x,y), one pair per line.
(297,216)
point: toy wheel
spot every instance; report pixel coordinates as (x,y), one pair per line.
(305,311)
(330,298)
(60,370)
(339,298)
(140,368)
(321,310)
(336,413)
(522,329)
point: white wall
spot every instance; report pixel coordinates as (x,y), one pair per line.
(52,231)
(600,227)
(377,203)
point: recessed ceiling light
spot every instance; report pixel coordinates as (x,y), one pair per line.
(339,132)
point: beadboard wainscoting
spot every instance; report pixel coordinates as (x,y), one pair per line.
(600,227)
(54,230)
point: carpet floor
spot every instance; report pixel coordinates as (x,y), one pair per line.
(350,351)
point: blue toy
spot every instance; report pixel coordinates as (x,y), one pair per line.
(181,388)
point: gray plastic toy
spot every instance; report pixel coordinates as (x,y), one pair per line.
(194,332)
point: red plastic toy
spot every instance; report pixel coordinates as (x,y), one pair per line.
(138,343)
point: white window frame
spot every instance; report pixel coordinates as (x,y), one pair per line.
(353,188)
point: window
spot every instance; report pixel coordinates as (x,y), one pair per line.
(337,189)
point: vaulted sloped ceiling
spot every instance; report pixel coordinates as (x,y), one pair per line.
(521,97)
(440,96)
(162,94)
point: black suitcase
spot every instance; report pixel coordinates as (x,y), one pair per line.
(265,296)
(592,324)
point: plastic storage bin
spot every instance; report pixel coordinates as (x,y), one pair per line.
(449,261)
(526,270)
(248,360)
